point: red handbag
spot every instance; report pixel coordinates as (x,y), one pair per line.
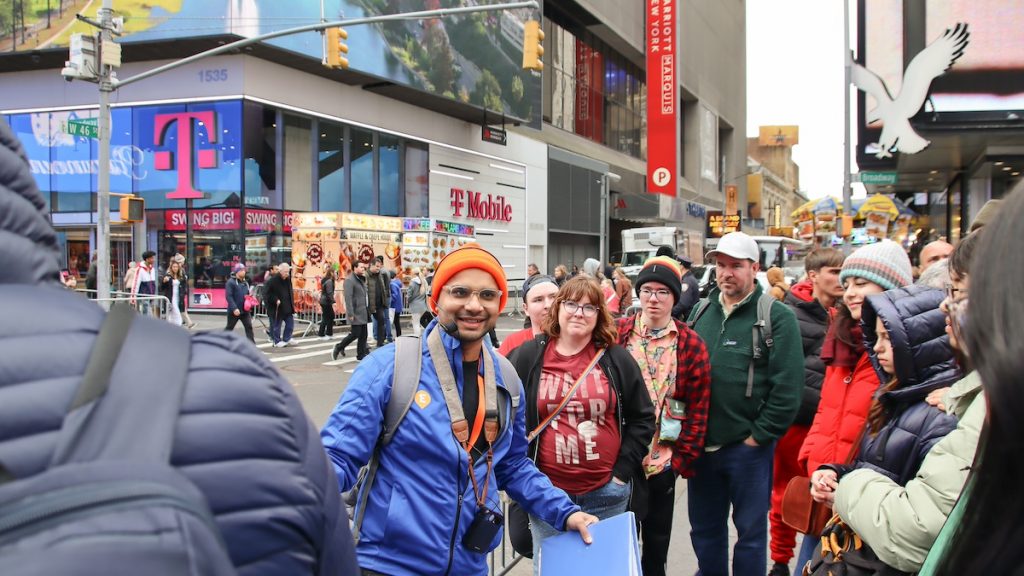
(800,511)
(250,302)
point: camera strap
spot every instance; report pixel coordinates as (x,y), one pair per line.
(487,408)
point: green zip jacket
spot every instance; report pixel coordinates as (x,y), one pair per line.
(778,375)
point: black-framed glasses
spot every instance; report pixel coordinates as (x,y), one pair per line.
(589,310)
(463,294)
(661,293)
(954,294)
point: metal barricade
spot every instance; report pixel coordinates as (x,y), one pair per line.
(160,303)
(503,558)
(515,296)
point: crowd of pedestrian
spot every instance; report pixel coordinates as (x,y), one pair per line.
(896,401)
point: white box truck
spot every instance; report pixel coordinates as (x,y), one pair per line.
(639,244)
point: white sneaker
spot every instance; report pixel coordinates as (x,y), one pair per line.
(280,344)
(289,343)
(324,338)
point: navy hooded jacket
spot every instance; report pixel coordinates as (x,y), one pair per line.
(242,437)
(923,362)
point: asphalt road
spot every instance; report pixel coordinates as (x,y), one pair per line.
(320,381)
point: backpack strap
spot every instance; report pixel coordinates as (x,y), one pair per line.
(404,382)
(761,333)
(510,378)
(122,409)
(406,379)
(700,308)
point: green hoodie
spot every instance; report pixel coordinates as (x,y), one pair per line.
(778,376)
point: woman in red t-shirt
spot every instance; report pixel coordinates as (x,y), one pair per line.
(593,447)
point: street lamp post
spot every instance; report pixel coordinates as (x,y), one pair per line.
(606,179)
(103,179)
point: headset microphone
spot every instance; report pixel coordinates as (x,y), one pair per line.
(450,327)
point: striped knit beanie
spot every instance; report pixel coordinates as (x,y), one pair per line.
(885,263)
(664,269)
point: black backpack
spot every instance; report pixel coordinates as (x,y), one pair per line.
(110,503)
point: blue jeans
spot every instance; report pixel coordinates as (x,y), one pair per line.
(740,476)
(609,500)
(275,328)
(810,542)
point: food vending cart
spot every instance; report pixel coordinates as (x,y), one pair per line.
(426,240)
(338,240)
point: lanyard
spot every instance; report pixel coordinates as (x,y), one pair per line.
(486,412)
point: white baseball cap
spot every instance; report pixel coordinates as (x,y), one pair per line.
(738,245)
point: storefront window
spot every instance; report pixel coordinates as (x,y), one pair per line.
(388,174)
(417,180)
(331,167)
(298,163)
(260,157)
(363,200)
(33,131)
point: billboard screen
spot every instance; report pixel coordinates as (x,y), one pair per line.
(988,77)
(473,58)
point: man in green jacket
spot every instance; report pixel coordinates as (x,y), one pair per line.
(756,384)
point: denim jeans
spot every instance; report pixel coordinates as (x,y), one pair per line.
(275,328)
(741,476)
(807,547)
(609,500)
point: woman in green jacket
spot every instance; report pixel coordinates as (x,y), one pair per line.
(900,523)
(985,528)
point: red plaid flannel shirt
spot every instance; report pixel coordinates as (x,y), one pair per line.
(692,386)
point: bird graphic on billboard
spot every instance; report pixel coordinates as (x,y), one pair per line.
(895,113)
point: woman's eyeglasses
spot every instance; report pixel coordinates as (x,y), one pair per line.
(589,310)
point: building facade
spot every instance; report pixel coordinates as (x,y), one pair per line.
(228,149)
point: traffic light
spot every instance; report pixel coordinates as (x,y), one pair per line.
(336,48)
(532,50)
(133,209)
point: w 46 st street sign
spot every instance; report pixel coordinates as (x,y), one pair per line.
(84,127)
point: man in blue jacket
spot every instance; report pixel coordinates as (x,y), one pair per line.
(431,487)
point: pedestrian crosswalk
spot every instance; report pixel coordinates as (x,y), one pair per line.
(312,347)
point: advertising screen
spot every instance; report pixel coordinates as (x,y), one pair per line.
(473,58)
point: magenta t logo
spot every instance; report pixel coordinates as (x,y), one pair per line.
(165,160)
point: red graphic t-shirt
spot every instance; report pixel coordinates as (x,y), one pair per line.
(579,449)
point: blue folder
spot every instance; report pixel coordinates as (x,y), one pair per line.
(615,551)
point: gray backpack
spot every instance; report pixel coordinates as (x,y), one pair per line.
(761,332)
(110,503)
(405,381)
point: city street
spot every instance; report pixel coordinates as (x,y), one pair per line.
(320,381)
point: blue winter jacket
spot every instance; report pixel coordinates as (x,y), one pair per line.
(235,292)
(242,437)
(422,501)
(924,362)
(396,296)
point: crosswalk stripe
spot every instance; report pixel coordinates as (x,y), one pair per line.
(340,362)
(299,356)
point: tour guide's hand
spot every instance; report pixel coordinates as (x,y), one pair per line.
(579,521)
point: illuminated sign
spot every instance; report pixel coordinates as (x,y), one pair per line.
(721,224)
(181,160)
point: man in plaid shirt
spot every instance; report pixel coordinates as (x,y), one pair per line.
(674,362)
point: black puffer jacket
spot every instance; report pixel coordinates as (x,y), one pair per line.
(924,362)
(813,321)
(242,438)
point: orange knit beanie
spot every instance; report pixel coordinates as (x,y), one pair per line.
(465,257)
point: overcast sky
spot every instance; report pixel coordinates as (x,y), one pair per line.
(795,76)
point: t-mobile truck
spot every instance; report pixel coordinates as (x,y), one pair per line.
(639,244)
